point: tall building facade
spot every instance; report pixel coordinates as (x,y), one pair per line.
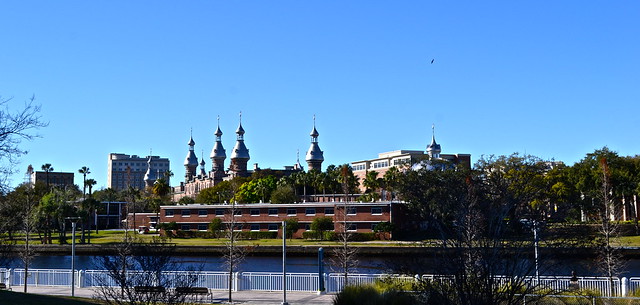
(58,179)
(406,158)
(132,170)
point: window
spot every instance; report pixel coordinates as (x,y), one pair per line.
(373,226)
(185,227)
(273,212)
(307,227)
(237,212)
(273,227)
(238,227)
(186,213)
(310,211)
(219,212)
(168,213)
(255,227)
(352,227)
(351,211)
(255,212)
(292,212)
(202,227)
(376,211)
(358,167)
(202,213)
(329,211)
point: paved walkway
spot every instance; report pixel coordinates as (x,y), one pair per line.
(239,297)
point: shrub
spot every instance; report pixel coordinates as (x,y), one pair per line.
(369,294)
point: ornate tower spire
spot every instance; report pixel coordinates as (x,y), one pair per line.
(191,161)
(240,155)
(203,173)
(433,149)
(218,155)
(315,156)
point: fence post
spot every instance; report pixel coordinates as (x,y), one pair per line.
(624,289)
(8,278)
(237,279)
(80,278)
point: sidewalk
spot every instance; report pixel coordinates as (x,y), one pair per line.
(219,296)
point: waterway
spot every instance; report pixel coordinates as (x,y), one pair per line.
(583,267)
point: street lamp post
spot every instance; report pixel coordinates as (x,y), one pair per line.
(73,220)
(284,263)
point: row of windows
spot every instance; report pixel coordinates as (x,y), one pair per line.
(380,164)
(269,227)
(271,212)
(358,167)
(401,161)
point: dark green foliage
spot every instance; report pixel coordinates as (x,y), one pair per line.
(186,200)
(368,294)
(322,224)
(284,194)
(330,235)
(216,226)
(292,226)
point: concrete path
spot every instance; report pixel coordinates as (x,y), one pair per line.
(239,297)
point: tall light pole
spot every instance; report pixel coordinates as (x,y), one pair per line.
(73,220)
(284,263)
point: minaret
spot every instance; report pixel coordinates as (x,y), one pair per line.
(315,156)
(149,179)
(240,154)
(218,155)
(191,161)
(433,149)
(203,173)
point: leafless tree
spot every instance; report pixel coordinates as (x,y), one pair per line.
(15,126)
(609,259)
(344,257)
(233,254)
(26,253)
(143,273)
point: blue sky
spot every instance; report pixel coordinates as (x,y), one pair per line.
(556,79)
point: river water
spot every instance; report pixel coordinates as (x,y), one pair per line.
(583,267)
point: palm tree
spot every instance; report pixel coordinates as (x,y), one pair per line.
(90,183)
(47,168)
(84,171)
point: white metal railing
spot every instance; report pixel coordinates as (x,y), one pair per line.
(272,281)
(267,281)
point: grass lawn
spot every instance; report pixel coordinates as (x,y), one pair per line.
(11,297)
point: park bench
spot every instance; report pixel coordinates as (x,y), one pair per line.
(149,289)
(4,286)
(195,291)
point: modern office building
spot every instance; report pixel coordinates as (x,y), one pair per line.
(405,159)
(131,170)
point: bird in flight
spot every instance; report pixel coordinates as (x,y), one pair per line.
(432,60)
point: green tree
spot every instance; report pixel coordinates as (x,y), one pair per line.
(186,200)
(320,225)
(216,226)
(221,192)
(47,168)
(255,190)
(84,171)
(283,194)
(292,226)
(390,181)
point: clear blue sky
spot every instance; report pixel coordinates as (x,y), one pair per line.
(556,79)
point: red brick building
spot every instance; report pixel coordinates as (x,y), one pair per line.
(360,217)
